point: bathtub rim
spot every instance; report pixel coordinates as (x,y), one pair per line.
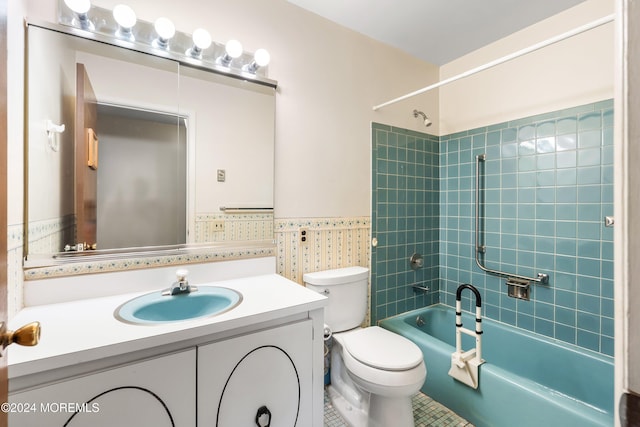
(520,331)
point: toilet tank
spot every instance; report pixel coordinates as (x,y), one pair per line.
(346,289)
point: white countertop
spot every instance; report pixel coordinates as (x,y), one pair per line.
(84,331)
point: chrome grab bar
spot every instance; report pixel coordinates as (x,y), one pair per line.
(481,249)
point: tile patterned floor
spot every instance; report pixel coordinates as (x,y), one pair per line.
(426,413)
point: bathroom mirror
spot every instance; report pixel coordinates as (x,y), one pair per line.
(130,151)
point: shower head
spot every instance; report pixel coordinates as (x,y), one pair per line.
(417,113)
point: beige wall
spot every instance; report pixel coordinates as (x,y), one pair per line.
(329,79)
(572,72)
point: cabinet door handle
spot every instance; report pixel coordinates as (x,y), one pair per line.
(263,414)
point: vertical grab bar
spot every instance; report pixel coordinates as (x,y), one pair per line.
(481,249)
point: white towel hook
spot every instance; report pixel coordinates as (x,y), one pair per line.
(52,130)
(52,127)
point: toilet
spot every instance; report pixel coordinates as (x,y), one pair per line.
(374,372)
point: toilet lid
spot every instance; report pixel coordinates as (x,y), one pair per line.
(382,349)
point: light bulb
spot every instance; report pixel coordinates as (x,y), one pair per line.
(262,57)
(80,7)
(165,29)
(201,38)
(233,48)
(124,16)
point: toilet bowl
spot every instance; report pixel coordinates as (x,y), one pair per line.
(389,364)
(374,372)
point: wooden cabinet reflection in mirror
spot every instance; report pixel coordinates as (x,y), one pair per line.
(92,149)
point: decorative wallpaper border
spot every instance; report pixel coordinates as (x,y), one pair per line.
(199,255)
(294,224)
(250,216)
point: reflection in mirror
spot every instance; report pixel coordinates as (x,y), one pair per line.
(234,121)
(141,177)
(174,155)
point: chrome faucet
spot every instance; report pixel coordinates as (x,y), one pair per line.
(181,285)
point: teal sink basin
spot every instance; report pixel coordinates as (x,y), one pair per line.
(155,308)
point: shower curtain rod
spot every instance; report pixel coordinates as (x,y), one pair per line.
(503,59)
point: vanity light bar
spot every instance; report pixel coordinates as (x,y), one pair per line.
(161,39)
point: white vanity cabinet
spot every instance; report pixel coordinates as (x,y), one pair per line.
(263,357)
(158,392)
(265,375)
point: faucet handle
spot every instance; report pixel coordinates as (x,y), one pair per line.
(181,274)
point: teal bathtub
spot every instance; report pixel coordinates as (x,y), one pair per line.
(527,380)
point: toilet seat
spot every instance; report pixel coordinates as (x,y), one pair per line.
(382,349)
(402,376)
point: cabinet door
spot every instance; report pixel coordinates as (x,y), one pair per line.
(266,374)
(158,392)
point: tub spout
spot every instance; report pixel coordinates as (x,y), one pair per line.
(419,288)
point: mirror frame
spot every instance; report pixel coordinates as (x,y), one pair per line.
(37,265)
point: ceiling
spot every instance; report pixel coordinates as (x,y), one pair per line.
(436,31)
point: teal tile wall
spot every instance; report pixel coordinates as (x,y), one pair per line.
(548,186)
(405,219)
